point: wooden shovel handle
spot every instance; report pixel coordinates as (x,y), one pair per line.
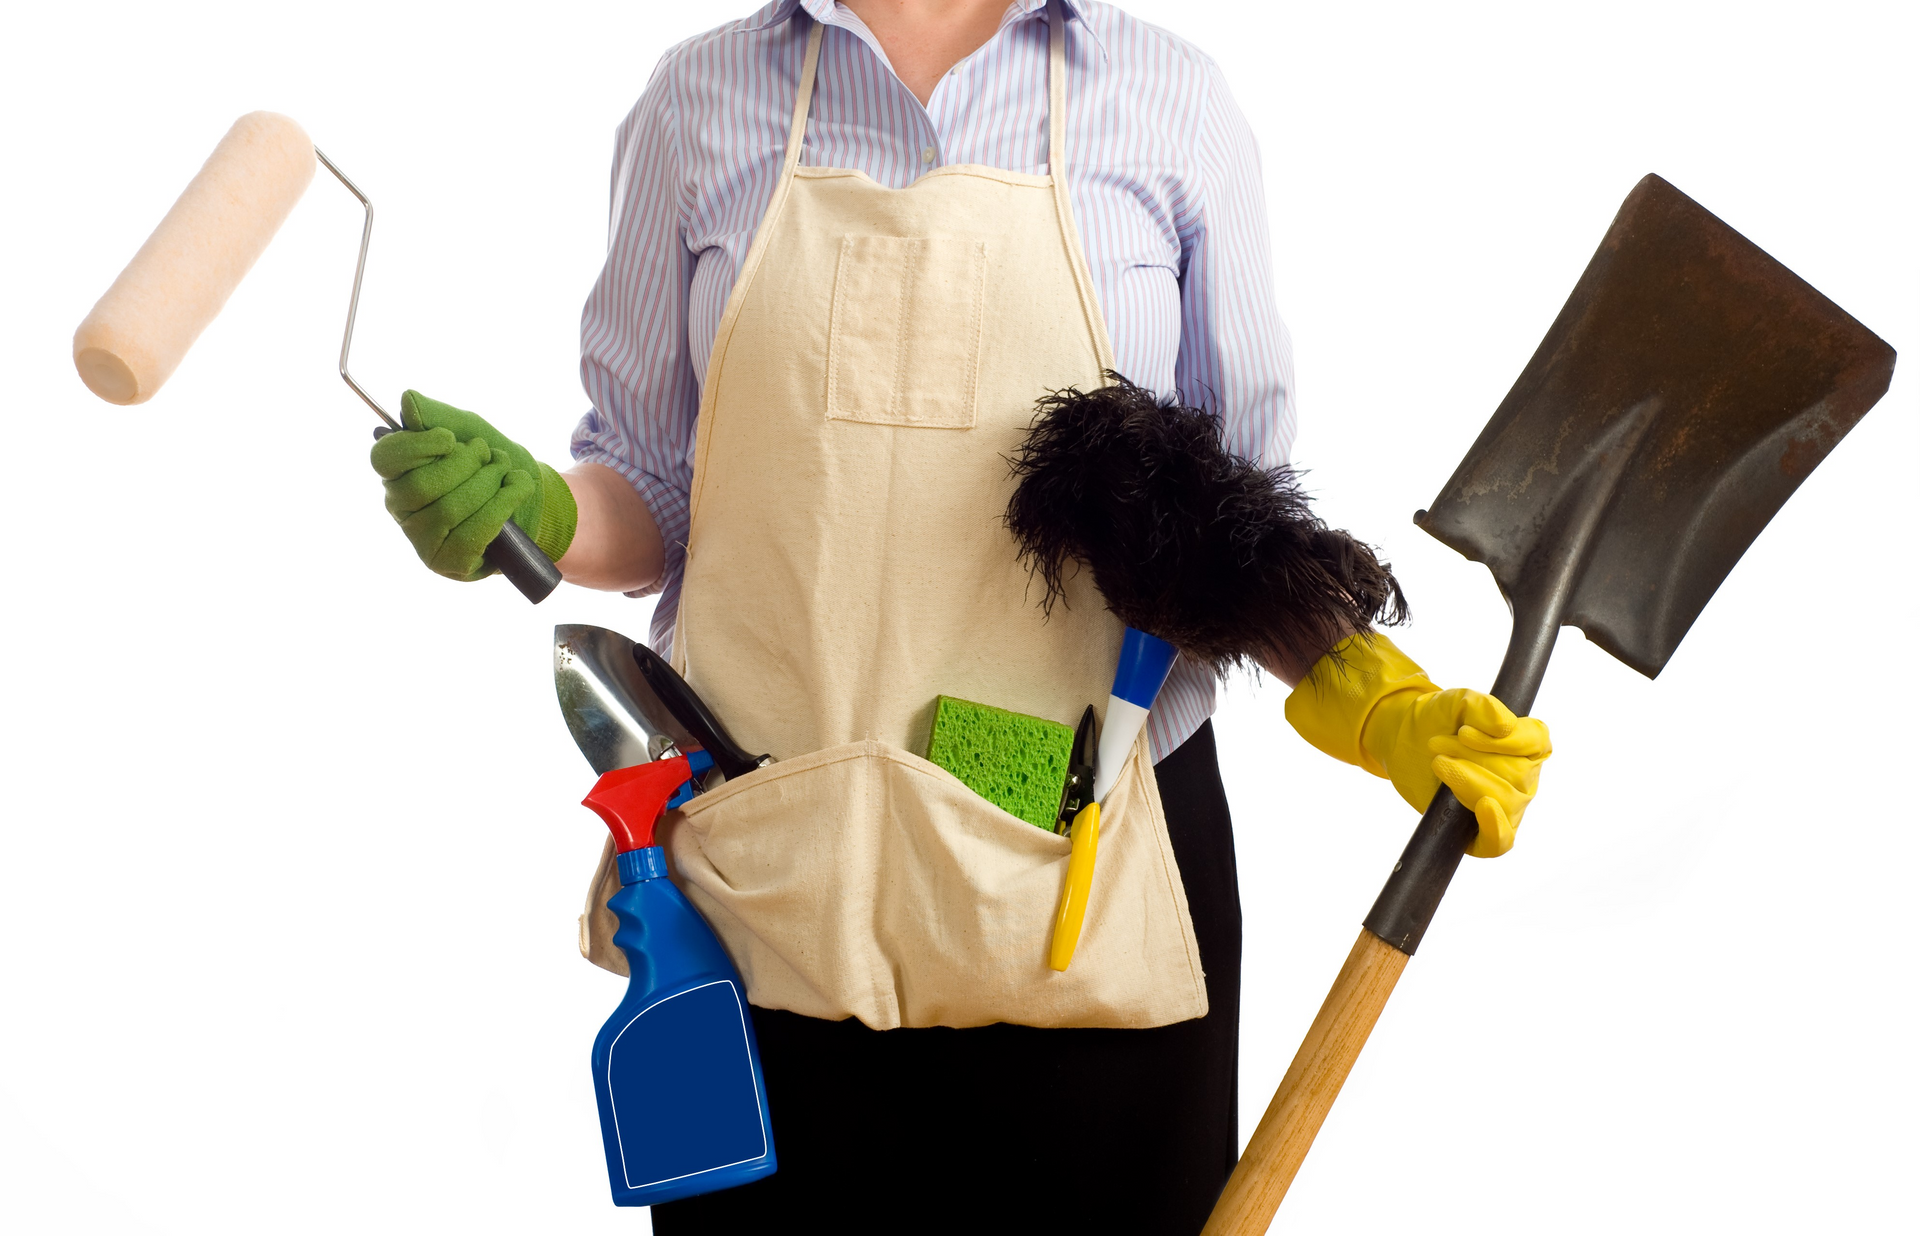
(1313,1081)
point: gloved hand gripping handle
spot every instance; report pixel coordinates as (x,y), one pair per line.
(515,556)
(513,552)
(1406,904)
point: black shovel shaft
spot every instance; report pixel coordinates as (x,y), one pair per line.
(1406,905)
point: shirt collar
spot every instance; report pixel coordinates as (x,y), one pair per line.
(822,11)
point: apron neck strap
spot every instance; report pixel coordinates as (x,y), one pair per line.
(1056,95)
(802,99)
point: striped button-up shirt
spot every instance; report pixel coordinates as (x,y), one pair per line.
(1163,178)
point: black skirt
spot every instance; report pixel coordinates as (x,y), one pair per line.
(1012,1128)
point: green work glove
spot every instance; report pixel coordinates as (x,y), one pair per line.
(453,481)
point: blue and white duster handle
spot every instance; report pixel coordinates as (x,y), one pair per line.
(1145,662)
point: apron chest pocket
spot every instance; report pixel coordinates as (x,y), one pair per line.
(906,306)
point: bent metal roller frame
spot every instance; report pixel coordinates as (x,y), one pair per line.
(141,329)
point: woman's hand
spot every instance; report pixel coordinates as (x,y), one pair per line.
(453,481)
(1466,740)
(1367,703)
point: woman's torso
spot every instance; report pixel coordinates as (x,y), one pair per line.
(1150,139)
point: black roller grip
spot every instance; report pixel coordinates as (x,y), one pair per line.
(1405,906)
(515,556)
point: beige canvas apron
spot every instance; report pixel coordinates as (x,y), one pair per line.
(878,360)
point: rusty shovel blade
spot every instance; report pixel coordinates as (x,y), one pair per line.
(1688,386)
(1723,377)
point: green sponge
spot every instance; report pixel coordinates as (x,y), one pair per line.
(1016,762)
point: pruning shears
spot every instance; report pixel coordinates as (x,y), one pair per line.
(1080,818)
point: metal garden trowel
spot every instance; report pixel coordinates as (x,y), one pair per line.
(624,705)
(613,715)
(1688,386)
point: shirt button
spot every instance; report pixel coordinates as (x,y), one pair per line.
(926,156)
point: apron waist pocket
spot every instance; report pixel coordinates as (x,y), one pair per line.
(863,881)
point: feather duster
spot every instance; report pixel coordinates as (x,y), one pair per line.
(1220,557)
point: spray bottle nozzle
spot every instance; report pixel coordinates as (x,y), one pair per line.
(631,800)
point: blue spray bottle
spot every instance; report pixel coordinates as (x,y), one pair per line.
(683,1104)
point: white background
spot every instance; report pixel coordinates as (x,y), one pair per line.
(291,850)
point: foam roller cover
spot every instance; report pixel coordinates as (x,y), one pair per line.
(136,336)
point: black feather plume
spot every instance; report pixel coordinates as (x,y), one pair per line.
(1218,556)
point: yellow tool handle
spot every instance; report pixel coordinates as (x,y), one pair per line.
(1073,898)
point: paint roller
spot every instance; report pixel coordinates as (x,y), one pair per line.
(141,329)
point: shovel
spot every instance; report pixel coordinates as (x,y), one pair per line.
(1688,386)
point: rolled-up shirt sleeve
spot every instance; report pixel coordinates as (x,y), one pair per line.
(634,358)
(1235,356)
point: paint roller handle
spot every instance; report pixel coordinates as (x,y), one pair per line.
(515,556)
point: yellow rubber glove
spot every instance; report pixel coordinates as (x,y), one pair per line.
(1367,703)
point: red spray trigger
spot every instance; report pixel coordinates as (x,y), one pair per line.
(631,800)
